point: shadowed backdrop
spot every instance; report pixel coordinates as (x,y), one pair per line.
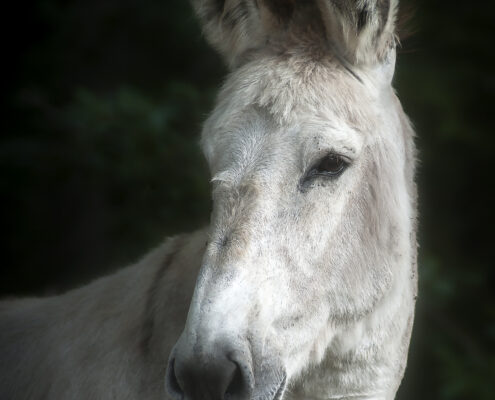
(102,104)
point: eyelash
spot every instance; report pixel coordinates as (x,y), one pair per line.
(330,166)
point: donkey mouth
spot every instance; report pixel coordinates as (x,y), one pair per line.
(275,391)
(281,388)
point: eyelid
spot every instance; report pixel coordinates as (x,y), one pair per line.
(343,156)
(347,153)
(309,174)
(320,155)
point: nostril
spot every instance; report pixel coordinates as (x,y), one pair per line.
(240,384)
(214,375)
(236,386)
(173,386)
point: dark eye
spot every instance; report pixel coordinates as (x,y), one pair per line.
(332,165)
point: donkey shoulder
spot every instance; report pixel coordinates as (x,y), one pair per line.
(97,341)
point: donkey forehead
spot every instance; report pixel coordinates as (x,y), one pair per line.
(290,105)
(296,86)
(253,140)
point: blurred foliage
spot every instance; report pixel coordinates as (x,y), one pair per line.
(446,83)
(101,109)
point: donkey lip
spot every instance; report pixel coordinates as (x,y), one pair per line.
(281,388)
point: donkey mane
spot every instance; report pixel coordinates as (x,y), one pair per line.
(285,86)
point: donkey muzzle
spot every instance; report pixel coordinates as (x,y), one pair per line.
(217,374)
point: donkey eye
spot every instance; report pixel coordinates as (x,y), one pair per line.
(332,165)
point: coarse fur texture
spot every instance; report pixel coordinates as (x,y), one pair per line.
(303,286)
(108,340)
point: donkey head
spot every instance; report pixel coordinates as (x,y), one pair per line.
(307,283)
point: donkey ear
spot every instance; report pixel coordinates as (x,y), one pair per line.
(230,26)
(235,26)
(363,31)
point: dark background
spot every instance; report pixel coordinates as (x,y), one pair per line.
(102,103)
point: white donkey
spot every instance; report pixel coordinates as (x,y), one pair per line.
(305,282)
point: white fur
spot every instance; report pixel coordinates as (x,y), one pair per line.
(317,279)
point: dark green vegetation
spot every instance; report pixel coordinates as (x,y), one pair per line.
(102,103)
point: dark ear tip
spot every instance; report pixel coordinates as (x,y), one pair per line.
(405,26)
(283,9)
(371,24)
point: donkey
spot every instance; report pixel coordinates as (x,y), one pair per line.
(304,284)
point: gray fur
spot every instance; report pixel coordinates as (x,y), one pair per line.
(88,343)
(362,30)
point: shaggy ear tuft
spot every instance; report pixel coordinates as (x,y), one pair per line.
(363,31)
(231,26)
(235,26)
